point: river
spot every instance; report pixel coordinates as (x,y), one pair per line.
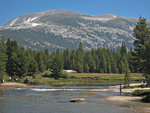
(47,99)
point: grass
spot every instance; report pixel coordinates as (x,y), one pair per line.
(82,79)
(141,92)
(145,93)
(131,87)
(109,77)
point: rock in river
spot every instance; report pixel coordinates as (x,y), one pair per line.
(78,100)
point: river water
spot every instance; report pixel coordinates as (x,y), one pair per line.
(56,100)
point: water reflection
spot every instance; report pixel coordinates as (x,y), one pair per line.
(1,101)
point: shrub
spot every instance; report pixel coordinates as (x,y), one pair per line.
(146,99)
(47,73)
(64,75)
(34,76)
(73,76)
(36,82)
(141,92)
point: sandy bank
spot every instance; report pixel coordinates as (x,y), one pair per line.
(10,85)
(117,89)
(122,98)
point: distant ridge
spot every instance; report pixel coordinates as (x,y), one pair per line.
(65,29)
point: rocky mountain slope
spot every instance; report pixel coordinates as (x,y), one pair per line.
(65,29)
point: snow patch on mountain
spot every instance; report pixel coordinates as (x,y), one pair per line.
(36,24)
(14,21)
(29,20)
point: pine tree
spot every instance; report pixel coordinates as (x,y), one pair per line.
(98,60)
(57,65)
(108,61)
(126,70)
(79,68)
(72,58)
(130,57)
(103,63)
(119,60)
(32,64)
(46,58)
(90,62)
(123,49)
(3,59)
(22,63)
(11,51)
(86,68)
(19,63)
(79,58)
(114,68)
(66,57)
(40,62)
(141,51)
(80,47)
(33,67)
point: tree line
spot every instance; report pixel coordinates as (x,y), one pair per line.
(99,60)
(16,61)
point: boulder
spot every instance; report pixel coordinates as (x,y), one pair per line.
(27,81)
(78,100)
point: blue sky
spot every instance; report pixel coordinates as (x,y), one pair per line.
(10,9)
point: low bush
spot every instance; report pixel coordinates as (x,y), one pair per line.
(146,99)
(64,75)
(36,82)
(140,92)
(47,73)
(34,76)
(73,76)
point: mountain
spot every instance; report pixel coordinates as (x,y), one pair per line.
(65,29)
